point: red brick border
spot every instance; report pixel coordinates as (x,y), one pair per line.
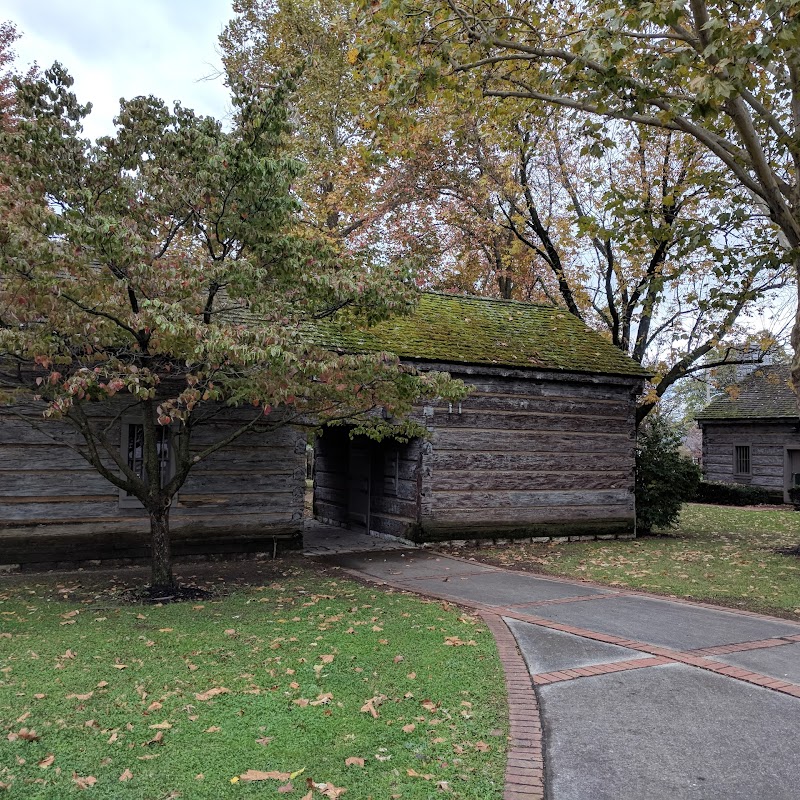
(524,779)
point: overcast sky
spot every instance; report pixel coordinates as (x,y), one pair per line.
(125,48)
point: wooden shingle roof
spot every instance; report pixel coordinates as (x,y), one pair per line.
(764,394)
(476,330)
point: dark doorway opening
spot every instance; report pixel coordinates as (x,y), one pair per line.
(366,485)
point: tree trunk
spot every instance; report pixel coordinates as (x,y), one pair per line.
(161,576)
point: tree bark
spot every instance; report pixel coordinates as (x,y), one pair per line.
(161,576)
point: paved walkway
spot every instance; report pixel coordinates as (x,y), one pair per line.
(320,539)
(638,697)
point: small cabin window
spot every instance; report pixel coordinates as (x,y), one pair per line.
(741,459)
(133,453)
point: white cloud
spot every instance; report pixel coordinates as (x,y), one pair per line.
(125,48)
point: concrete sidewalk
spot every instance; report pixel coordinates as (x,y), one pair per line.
(641,698)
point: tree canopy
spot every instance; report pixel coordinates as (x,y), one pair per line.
(723,73)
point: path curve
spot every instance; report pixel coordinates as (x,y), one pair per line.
(594,674)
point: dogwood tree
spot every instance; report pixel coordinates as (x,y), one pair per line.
(163,270)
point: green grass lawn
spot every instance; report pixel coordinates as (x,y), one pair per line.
(716,554)
(159,702)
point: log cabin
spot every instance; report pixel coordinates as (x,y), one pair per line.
(751,434)
(542,447)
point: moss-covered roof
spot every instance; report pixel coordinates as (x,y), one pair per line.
(476,330)
(764,394)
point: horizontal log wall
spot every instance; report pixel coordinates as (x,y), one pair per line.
(542,455)
(54,506)
(767,441)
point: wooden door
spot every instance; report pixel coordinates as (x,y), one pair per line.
(359,484)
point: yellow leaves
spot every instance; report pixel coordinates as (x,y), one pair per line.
(352,55)
(207,695)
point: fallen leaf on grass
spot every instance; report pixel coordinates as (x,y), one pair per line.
(157,739)
(213,729)
(454,641)
(212,693)
(24,716)
(429,705)
(84,783)
(482,747)
(354,761)
(301,701)
(40,696)
(253,775)
(160,726)
(408,728)
(412,773)
(126,776)
(47,761)
(286,788)
(154,706)
(265,740)
(327,659)
(24,734)
(369,705)
(322,699)
(397,659)
(327,789)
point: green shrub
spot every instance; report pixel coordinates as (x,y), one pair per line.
(735,494)
(665,479)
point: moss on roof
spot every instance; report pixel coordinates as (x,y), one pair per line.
(476,330)
(764,394)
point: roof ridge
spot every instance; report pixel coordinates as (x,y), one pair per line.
(501,300)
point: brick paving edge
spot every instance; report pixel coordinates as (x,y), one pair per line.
(524,777)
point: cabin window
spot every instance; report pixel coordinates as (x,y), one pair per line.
(741,459)
(133,453)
